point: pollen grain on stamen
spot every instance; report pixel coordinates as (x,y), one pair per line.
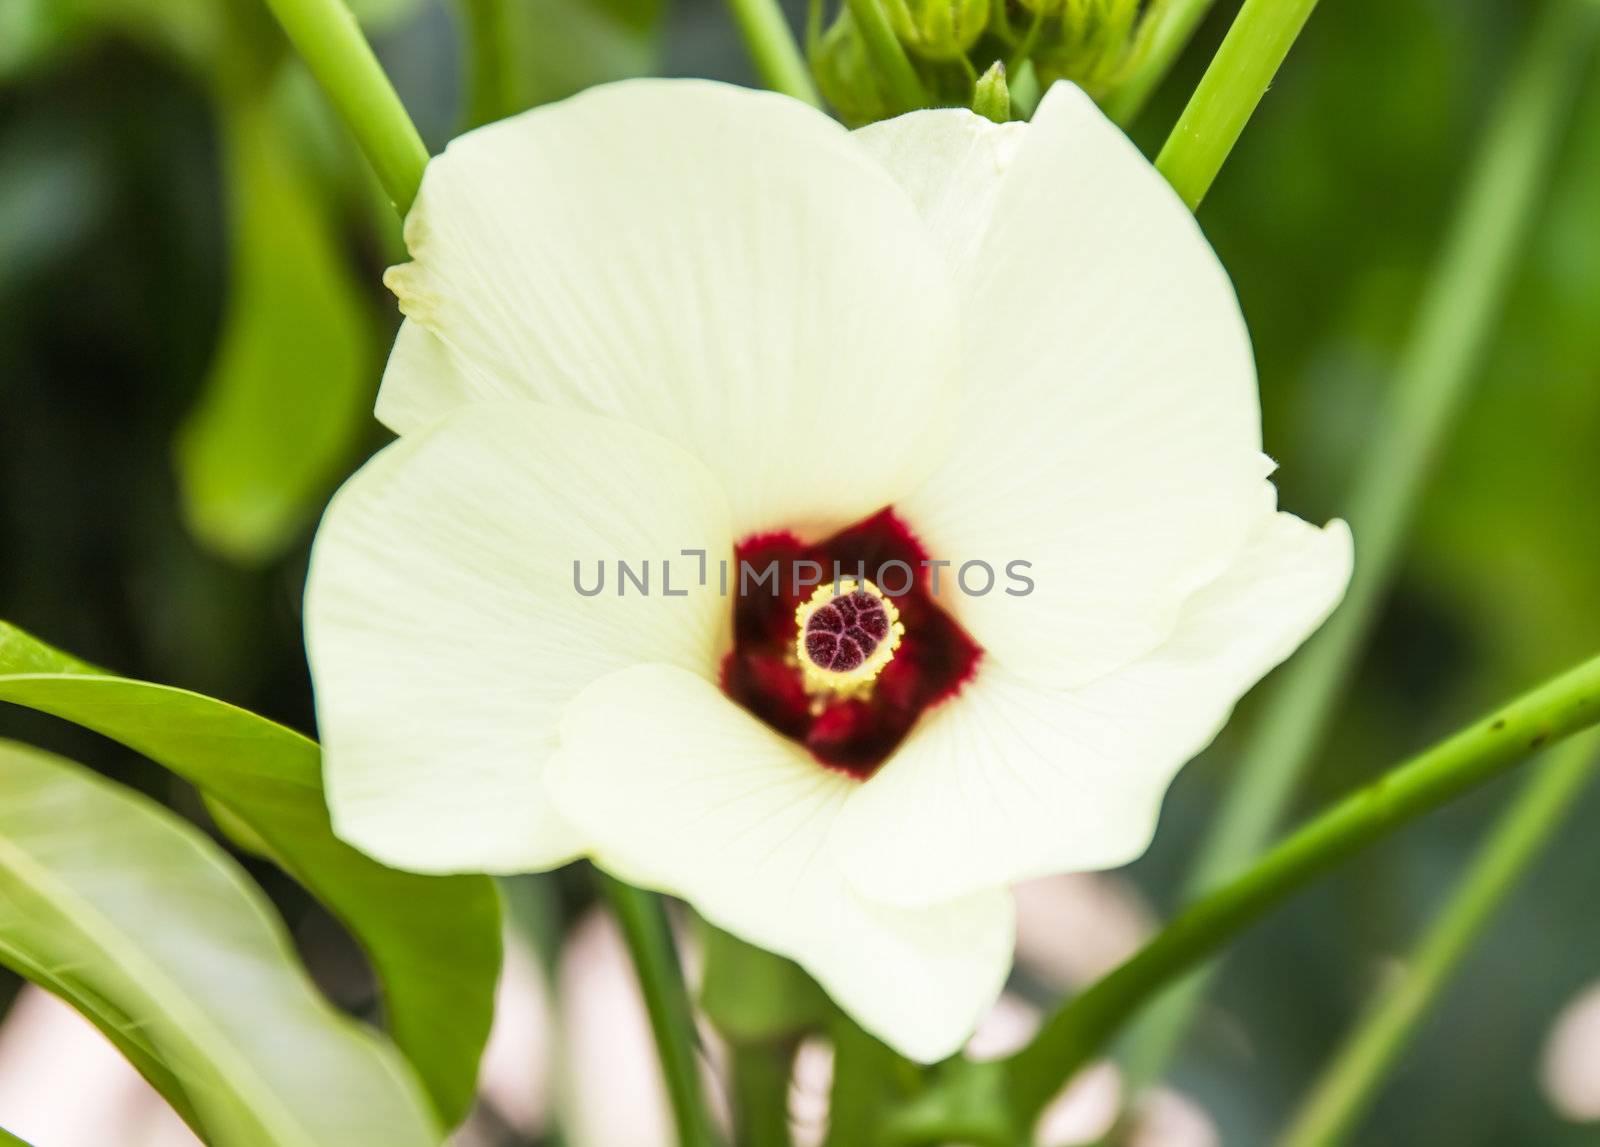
(845,635)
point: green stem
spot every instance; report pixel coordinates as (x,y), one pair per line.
(1352,1080)
(1233,85)
(870,1081)
(1173,26)
(773,50)
(761,1093)
(488,58)
(1024,49)
(643,920)
(329,40)
(1456,320)
(966,1102)
(1080,1029)
(888,54)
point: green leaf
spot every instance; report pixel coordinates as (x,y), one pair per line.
(434,941)
(122,1029)
(9,1140)
(138,919)
(290,391)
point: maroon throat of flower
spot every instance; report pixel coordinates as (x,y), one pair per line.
(845,674)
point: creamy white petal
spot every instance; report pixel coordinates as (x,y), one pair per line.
(429,380)
(1110,433)
(722,266)
(682,791)
(952,163)
(446,636)
(1012,779)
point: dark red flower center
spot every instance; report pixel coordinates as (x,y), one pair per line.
(853,732)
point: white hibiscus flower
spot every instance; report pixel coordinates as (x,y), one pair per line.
(672,316)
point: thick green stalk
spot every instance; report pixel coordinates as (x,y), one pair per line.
(773,50)
(1233,85)
(870,1080)
(887,53)
(762,1005)
(329,40)
(1173,26)
(643,920)
(1080,1029)
(1454,324)
(489,39)
(1350,1083)
(761,1093)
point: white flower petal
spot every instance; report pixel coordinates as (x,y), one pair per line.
(428,380)
(683,791)
(1111,433)
(1011,780)
(446,636)
(725,267)
(952,163)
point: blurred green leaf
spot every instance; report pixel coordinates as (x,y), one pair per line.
(34,33)
(9,1140)
(434,941)
(379,16)
(238,831)
(533,912)
(1502,511)
(577,43)
(138,918)
(752,996)
(206,35)
(52,193)
(290,389)
(527,52)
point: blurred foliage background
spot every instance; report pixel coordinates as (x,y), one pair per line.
(192,326)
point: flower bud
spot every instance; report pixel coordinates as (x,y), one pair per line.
(1094,43)
(846,76)
(991,98)
(938,29)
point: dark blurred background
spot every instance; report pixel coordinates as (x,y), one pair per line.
(174,198)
